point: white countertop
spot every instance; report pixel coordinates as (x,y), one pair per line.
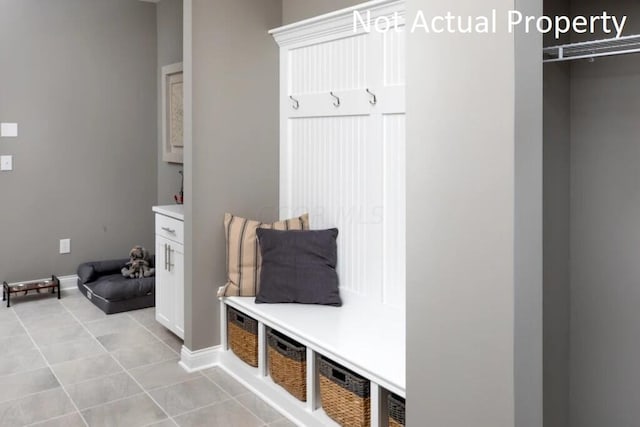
(172,211)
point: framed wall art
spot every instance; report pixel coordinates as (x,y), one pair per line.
(172,113)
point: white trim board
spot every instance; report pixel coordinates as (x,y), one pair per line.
(197,360)
(68,283)
(335,24)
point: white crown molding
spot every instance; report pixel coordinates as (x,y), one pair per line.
(192,361)
(334,23)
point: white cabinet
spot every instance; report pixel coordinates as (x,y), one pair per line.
(170,272)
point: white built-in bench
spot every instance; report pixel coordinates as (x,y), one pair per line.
(342,160)
(366,337)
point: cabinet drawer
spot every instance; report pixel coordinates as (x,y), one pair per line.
(170,228)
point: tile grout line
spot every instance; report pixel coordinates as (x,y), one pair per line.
(151,332)
(114,400)
(235,398)
(204,375)
(53,419)
(81,359)
(202,407)
(123,368)
(113,374)
(51,369)
(31,394)
(250,411)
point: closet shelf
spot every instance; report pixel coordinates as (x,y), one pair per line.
(592,49)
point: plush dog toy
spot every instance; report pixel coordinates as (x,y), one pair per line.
(138,265)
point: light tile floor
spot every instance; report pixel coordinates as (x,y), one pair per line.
(66,363)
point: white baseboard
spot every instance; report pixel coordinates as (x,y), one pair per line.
(197,360)
(68,282)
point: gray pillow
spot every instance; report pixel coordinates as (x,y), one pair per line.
(299,266)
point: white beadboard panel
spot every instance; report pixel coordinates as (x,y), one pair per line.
(334,171)
(394,57)
(394,200)
(337,65)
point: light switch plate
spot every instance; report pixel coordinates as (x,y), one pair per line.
(6,163)
(9,130)
(65,246)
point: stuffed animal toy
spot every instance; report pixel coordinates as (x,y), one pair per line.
(138,265)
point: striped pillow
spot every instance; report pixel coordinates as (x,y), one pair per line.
(243,253)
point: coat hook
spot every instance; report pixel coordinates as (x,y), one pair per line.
(337,103)
(296,103)
(373,101)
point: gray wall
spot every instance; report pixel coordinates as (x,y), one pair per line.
(605,242)
(169,18)
(297,10)
(465,273)
(81,86)
(556,308)
(232,158)
(605,238)
(556,244)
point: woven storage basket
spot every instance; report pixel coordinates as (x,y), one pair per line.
(288,364)
(345,395)
(396,410)
(242,333)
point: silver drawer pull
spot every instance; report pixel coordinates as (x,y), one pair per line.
(169,230)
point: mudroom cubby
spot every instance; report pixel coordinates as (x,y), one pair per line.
(362,344)
(342,161)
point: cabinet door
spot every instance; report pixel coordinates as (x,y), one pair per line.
(176,263)
(164,286)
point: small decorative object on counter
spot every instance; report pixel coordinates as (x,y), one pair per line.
(179,198)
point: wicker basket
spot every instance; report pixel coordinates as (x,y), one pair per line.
(288,364)
(396,410)
(242,333)
(345,395)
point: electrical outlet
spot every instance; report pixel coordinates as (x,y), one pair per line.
(6,163)
(65,246)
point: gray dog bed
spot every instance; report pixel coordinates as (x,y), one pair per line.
(103,284)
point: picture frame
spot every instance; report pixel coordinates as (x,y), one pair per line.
(172,113)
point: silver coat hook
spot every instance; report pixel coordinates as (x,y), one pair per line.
(337,103)
(296,103)
(373,101)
